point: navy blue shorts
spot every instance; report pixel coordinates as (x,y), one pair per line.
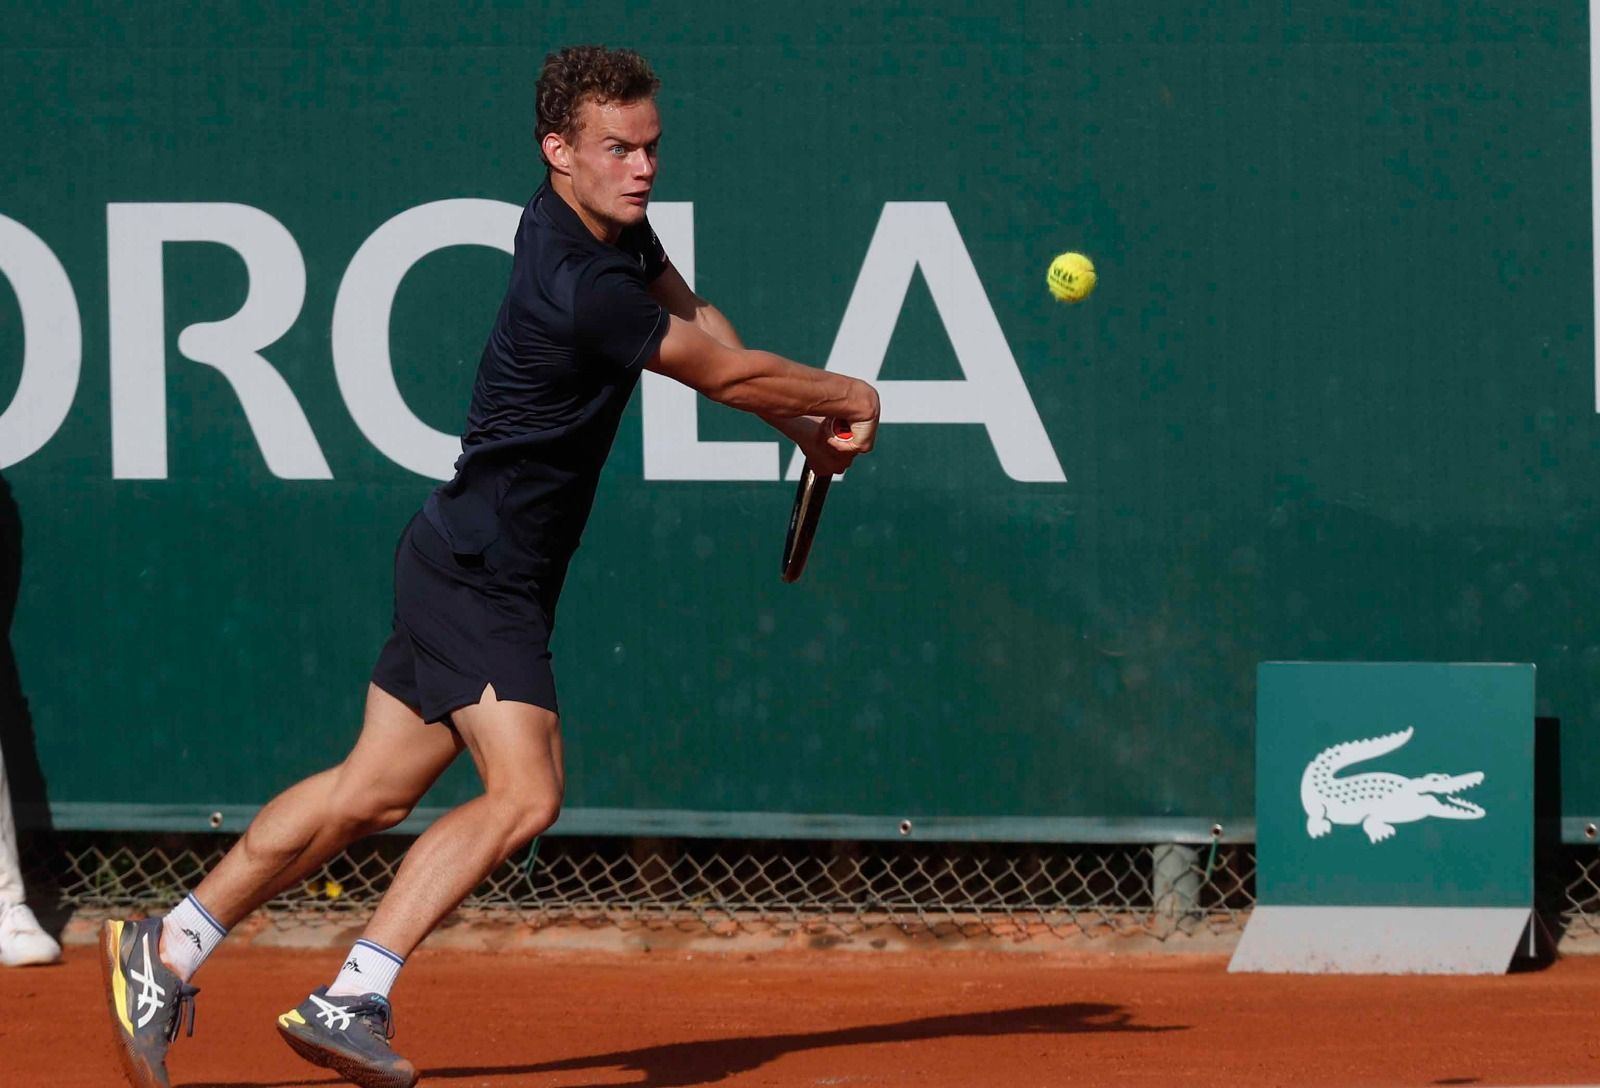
(460,626)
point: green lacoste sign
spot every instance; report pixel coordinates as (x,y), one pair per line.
(1395,785)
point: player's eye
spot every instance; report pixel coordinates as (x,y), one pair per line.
(618,150)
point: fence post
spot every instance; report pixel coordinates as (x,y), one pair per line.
(1175,884)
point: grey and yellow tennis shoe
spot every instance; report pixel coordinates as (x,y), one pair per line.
(146,998)
(349,1035)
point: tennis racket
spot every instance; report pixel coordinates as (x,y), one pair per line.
(808,500)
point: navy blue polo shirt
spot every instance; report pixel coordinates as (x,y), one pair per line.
(576,328)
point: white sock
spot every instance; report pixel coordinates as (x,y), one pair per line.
(369,969)
(189,934)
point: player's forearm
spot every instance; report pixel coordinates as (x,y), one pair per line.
(795,428)
(759,381)
(776,388)
(711,321)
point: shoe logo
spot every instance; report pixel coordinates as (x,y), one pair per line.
(193,936)
(334,1016)
(353,967)
(150,994)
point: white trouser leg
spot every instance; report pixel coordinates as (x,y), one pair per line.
(22,942)
(10,863)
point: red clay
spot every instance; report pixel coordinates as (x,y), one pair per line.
(933,1020)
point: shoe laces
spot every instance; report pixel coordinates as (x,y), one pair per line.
(376,1014)
(183,1002)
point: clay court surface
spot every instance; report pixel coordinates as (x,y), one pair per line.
(930,1019)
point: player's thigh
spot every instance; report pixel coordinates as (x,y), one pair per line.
(516,746)
(397,756)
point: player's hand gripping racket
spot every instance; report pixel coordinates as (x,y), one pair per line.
(808,500)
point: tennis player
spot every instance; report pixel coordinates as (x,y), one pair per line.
(593,300)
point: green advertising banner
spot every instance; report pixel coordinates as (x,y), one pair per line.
(1400,785)
(1334,396)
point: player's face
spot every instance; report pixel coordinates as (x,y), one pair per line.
(612,161)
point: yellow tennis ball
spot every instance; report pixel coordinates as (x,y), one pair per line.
(1071,277)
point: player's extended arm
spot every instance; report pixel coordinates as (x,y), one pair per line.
(768,385)
(681,301)
(683,304)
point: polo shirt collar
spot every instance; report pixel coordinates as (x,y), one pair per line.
(561,213)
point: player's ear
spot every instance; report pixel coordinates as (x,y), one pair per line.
(557,152)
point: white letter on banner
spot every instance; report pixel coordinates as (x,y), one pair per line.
(992,393)
(52,343)
(361,360)
(135,235)
(673,449)
(1594,180)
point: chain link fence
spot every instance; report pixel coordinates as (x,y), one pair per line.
(729,887)
(1579,901)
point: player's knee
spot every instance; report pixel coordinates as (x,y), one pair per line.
(535,815)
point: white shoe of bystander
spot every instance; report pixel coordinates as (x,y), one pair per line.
(22,942)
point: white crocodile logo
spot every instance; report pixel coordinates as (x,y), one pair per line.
(1378,801)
